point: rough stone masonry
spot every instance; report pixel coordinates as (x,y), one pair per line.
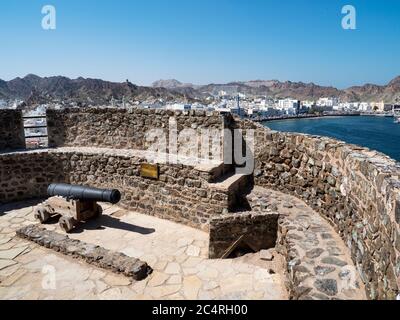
(181,193)
(11,130)
(357,190)
(127,129)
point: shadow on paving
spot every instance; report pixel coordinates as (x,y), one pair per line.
(110,222)
(7,207)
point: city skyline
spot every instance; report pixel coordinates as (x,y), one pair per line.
(203,41)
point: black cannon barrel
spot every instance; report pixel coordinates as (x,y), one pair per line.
(76,192)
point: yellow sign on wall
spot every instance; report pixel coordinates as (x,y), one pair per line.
(149,170)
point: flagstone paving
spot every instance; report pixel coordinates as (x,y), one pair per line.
(178,255)
(319,264)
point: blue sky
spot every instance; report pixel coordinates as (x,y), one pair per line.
(203,41)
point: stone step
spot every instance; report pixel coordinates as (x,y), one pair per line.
(235,185)
(214,171)
(230,182)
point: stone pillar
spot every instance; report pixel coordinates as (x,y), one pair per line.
(12,134)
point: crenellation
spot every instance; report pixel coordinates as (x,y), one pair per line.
(12,134)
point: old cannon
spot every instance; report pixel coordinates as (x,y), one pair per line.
(74,203)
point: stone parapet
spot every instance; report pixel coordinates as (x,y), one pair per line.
(135,129)
(356,189)
(181,193)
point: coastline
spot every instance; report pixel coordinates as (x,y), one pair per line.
(316,116)
(374,132)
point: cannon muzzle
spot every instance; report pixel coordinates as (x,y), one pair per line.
(76,192)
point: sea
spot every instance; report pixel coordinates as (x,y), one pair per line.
(377,133)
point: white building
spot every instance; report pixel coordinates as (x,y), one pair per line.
(198,105)
(348,106)
(222,93)
(364,106)
(252,110)
(339,107)
(307,104)
(288,106)
(287,103)
(327,102)
(179,106)
(222,109)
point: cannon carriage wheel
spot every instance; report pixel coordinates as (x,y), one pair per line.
(42,213)
(67,223)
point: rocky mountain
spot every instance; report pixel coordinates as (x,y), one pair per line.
(369,92)
(171,84)
(298,90)
(34,89)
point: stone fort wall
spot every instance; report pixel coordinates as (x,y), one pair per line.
(11,130)
(127,129)
(356,189)
(181,193)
